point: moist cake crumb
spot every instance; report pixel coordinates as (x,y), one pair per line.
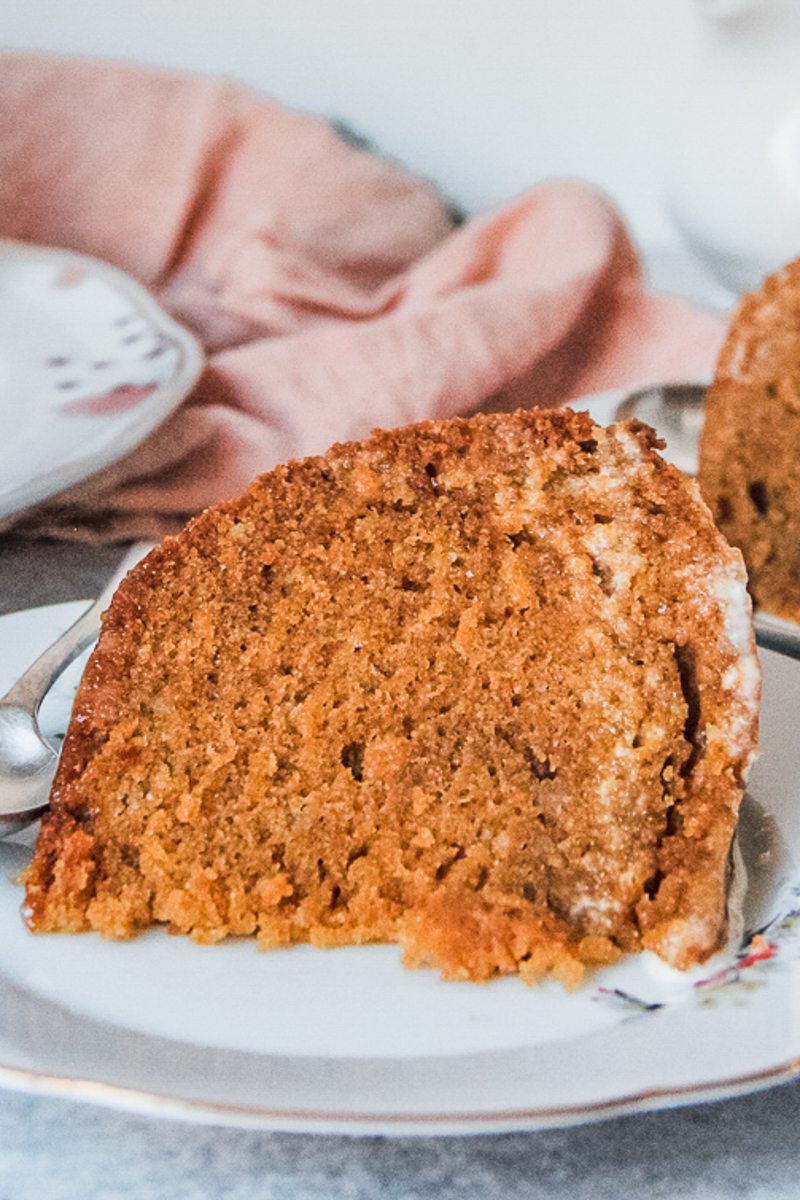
(484,687)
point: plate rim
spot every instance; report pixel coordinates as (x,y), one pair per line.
(47,484)
(373,1124)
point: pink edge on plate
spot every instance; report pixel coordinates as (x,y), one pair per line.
(117,400)
(69,275)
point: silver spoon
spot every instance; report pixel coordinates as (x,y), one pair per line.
(27,758)
(675,411)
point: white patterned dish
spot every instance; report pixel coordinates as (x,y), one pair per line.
(347,1041)
(89,366)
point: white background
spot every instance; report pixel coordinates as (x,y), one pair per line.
(483,96)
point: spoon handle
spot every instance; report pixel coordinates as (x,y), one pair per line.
(30,688)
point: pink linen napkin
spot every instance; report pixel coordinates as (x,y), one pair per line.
(328,286)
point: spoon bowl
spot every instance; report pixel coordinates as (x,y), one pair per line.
(27,759)
(27,764)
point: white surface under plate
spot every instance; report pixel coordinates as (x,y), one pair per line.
(347,1040)
(89,366)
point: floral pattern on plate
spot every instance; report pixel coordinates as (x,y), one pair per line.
(774,945)
(89,366)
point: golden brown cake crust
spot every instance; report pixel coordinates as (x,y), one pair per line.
(484,687)
(750,448)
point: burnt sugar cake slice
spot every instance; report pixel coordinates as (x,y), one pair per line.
(484,687)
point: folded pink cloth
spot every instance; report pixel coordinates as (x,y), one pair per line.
(328,286)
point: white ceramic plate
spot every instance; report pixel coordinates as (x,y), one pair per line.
(89,366)
(346,1040)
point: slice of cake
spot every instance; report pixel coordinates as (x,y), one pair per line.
(483,687)
(750,448)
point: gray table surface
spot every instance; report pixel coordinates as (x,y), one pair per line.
(54,1149)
